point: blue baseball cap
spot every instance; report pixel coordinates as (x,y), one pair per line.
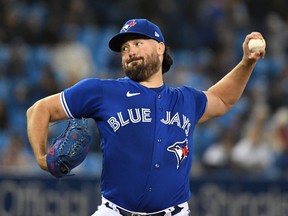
(141,27)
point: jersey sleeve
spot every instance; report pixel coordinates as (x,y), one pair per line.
(200,100)
(82,99)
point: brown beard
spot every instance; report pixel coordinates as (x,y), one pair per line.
(141,71)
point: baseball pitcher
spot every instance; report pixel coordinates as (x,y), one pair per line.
(146,126)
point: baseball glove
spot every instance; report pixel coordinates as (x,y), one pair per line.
(69,149)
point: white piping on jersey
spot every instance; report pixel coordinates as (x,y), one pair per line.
(64,105)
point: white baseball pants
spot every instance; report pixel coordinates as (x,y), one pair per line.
(108,211)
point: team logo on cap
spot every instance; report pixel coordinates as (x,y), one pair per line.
(180,149)
(127,26)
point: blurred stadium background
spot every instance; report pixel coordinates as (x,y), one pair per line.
(240,159)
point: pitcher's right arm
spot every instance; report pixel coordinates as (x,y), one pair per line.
(39,115)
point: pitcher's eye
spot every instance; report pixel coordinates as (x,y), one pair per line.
(124,48)
(138,43)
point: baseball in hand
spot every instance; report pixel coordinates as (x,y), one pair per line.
(257,45)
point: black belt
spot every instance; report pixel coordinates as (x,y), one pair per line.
(123,212)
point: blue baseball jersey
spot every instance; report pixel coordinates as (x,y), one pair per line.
(146,138)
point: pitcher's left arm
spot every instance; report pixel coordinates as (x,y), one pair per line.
(227,91)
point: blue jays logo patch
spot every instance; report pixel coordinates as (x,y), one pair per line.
(180,149)
(128,25)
